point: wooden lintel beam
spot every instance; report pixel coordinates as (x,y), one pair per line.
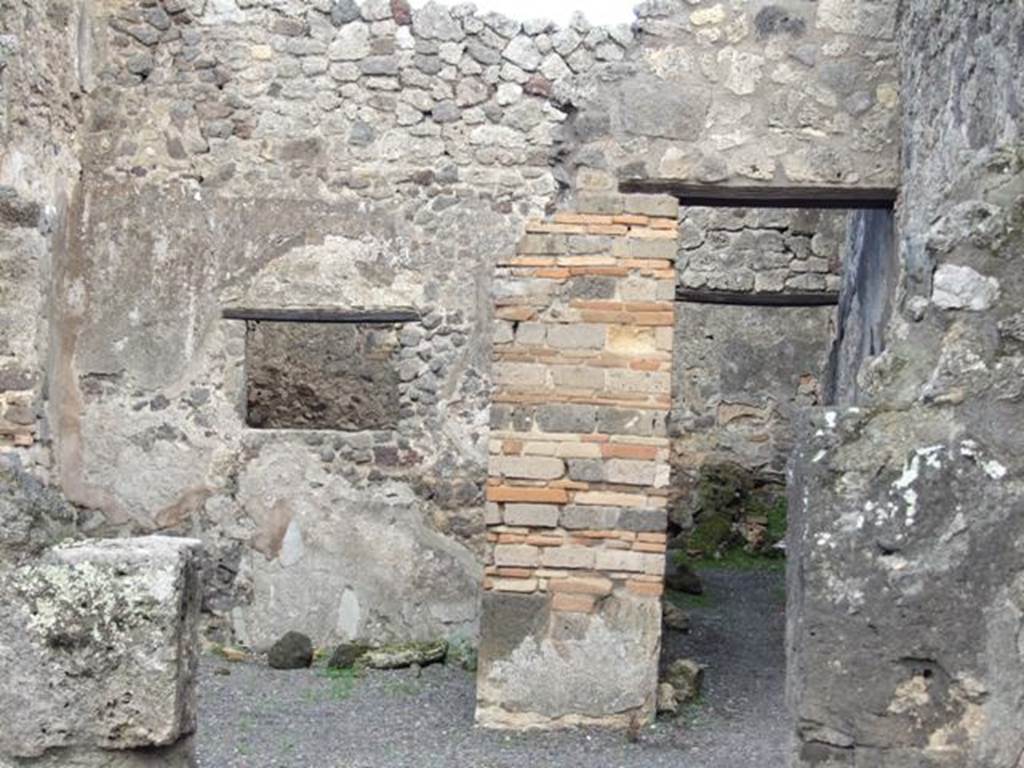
(758,299)
(852,198)
(322,315)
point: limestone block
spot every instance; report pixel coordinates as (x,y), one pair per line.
(516,555)
(653,205)
(527,467)
(98,646)
(645,248)
(577,336)
(618,560)
(532,515)
(567,557)
(584,668)
(628,472)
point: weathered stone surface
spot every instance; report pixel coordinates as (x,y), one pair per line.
(98,646)
(585,668)
(651,108)
(892,514)
(905,511)
(293,651)
(32,515)
(179,755)
(393,578)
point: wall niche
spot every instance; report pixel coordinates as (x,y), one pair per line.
(322,375)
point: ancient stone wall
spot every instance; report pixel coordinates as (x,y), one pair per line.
(906,547)
(579,469)
(287,155)
(44,70)
(793,93)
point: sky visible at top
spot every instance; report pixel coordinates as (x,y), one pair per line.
(605,12)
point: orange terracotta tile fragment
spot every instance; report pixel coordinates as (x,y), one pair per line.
(585,585)
(514,573)
(582,218)
(532,261)
(600,271)
(661,223)
(540,540)
(648,546)
(515,313)
(550,227)
(573,603)
(647,264)
(645,588)
(607,229)
(526,494)
(648,365)
(658,537)
(653,318)
(631,219)
(628,451)
(553,273)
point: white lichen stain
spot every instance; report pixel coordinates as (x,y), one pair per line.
(912,473)
(994,469)
(95,602)
(846,591)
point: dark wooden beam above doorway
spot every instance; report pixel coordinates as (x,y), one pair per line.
(852,198)
(758,299)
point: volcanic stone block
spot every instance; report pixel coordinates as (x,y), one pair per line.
(906,566)
(322,376)
(544,668)
(98,650)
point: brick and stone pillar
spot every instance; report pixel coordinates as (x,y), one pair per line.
(579,467)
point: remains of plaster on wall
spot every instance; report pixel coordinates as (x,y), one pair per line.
(340,272)
(349,614)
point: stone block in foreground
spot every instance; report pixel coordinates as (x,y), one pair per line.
(906,591)
(98,653)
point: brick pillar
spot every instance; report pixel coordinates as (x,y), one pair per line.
(579,467)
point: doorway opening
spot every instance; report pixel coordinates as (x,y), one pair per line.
(778,297)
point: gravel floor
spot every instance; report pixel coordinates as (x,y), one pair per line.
(253,717)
